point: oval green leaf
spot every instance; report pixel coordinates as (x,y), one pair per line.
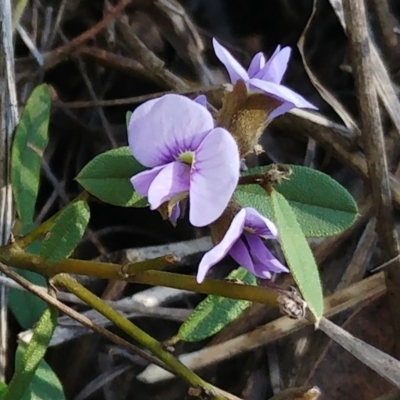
(108,175)
(44,384)
(215,312)
(66,232)
(30,141)
(298,254)
(28,364)
(322,206)
(25,306)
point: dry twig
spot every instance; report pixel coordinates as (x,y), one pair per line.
(42,293)
(8,121)
(372,133)
(386,366)
(55,56)
(384,86)
(365,290)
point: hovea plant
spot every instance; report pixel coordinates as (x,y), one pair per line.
(192,162)
(189,161)
(183,162)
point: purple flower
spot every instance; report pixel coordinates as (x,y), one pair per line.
(176,138)
(201,99)
(264,76)
(243,241)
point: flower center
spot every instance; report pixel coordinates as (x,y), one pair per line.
(249,230)
(187,157)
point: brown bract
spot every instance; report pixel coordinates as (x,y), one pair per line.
(245,115)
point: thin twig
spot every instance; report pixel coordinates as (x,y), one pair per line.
(61,9)
(390,42)
(372,132)
(137,99)
(127,305)
(182,33)
(365,290)
(138,335)
(361,257)
(30,45)
(151,298)
(115,61)
(344,115)
(154,65)
(47,27)
(8,121)
(106,125)
(383,364)
(384,86)
(54,57)
(178,249)
(42,293)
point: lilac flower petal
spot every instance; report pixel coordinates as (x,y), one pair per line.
(160,129)
(262,257)
(276,51)
(218,252)
(142,181)
(201,99)
(280,110)
(281,92)
(240,253)
(214,177)
(173,178)
(175,213)
(261,272)
(256,65)
(259,224)
(276,66)
(235,70)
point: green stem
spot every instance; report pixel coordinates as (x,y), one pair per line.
(128,270)
(256,294)
(14,256)
(137,334)
(44,227)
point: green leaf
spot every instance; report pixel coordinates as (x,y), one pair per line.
(66,232)
(322,206)
(3,388)
(215,312)
(108,175)
(128,118)
(298,254)
(30,140)
(26,307)
(45,384)
(33,355)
